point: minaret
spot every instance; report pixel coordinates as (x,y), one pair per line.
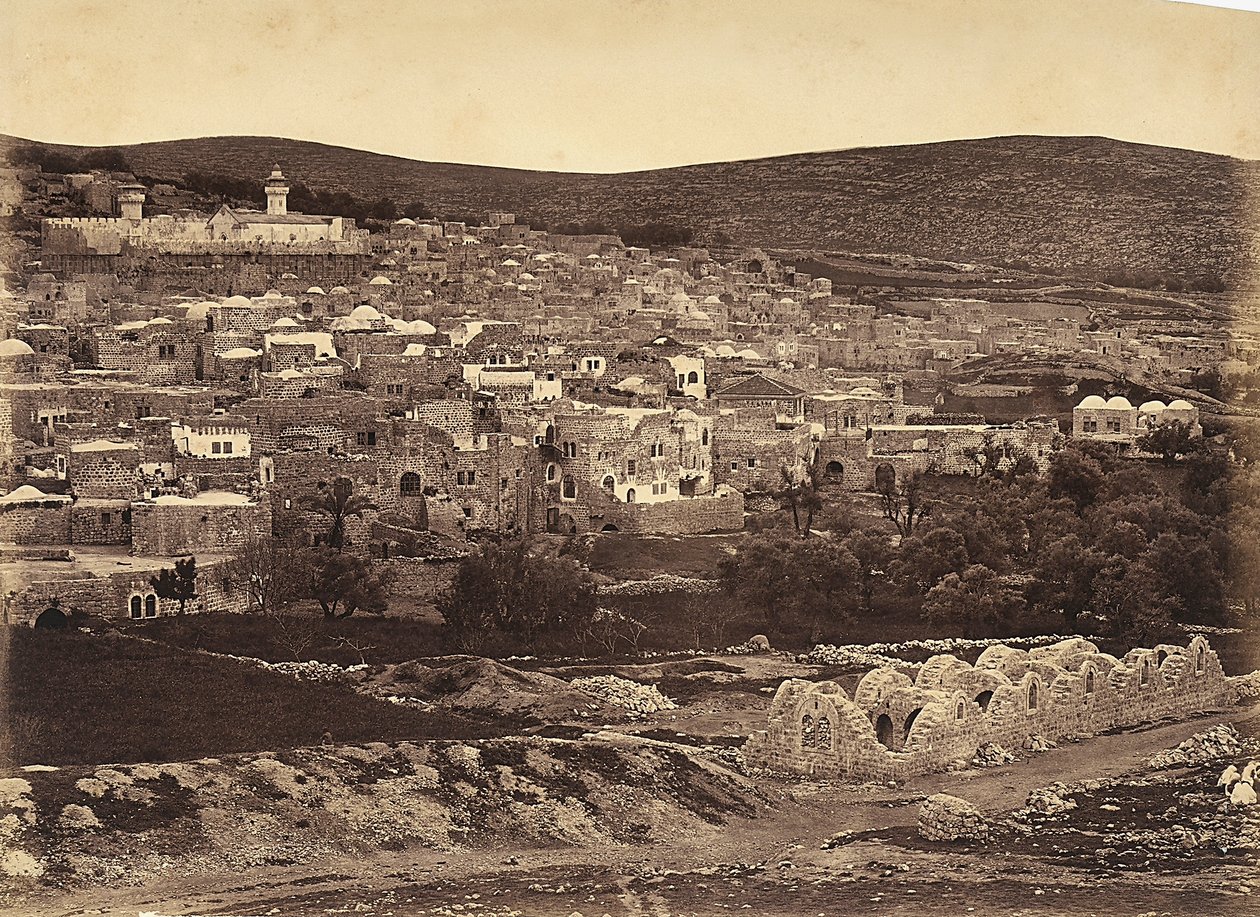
(131,202)
(277,192)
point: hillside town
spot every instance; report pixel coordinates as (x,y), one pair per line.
(178,385)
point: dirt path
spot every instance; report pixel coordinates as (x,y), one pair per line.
(738,867)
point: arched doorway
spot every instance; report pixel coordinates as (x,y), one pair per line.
(983,699)
(610,528)
(885,476)
(52,618)
(834,470)
(905,730)
(630,495)
(884,730)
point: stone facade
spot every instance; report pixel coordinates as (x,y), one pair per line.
(894,728)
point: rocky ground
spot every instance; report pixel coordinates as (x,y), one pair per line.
(630,800)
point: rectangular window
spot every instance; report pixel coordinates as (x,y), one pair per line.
(752,462)
(472,477)
(227,448)
(216,448)
(460,478)
(107,519)
(630,466)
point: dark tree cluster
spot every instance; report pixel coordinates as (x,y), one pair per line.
(53,162)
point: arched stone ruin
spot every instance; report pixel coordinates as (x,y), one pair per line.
(894,727)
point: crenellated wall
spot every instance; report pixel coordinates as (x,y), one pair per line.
(894,728)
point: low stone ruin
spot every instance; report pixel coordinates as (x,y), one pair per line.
(621,692)
(894,728)
(948,818)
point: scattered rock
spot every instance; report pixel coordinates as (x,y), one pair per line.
(1219,742)
(621,692)
(948,818)
(991,754)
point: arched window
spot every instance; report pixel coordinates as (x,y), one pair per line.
(1032,696)
(569,488)
(807,731)
(630,495)
(609,483)
(693,377)
(822,738)
(150,606)
(136,606)
(551,472)
(1144,671)
(1200,660)
(704,436)
(885,476)
(1089,682)
(409,485)
(960,713)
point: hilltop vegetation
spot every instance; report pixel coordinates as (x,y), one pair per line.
(1082,205)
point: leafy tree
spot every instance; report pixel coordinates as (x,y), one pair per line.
(925,558)
(1127,604)
(873,555)
(762,573)
(1063,577)
(338,502)
(906,504)
(417,210)
(268,569)
(529,597)
(1169,441)
(827,579)
(344,583)
(1077,476)
(179,583)
(977,598)
(803,495)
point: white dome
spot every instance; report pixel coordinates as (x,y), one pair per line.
(510,263)
(241,301)
(346,323)
(749,354)
(725,350)
(1181,405)
(712,300)
(1092,401)
(365,313)
(285,322)
(527,276)
(160,320)
(336,290)
(315,291)
(420,326)
(405,221)
(15,348)
(1119,403)
(272,294)
(1152,407)
(240,353)
(379,281)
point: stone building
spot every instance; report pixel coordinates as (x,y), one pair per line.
(894,727)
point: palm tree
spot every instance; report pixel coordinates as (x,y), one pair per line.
(338,502)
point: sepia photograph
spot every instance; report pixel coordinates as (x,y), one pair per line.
(629,458)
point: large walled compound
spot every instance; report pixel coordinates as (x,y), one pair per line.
(893,727)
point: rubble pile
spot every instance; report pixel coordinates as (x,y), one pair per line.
(750,647)
(877,654)
(1038,743)
(661,583)
(1219,742)
(621,692)
(948,818)
(990,754)
(1245,687)
(314,670)
(1049,800)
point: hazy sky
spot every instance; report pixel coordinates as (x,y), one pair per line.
(609,86)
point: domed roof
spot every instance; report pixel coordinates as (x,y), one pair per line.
(160,320)
(272,294)
(527,276)
(15,348)
(339,290)
(699,315)
(241,301)
(365,313)
(749,354)
(511,262)
(725,350)
(420,326)
(346,323)
(1152,407)
(1119,403)
(680,297)
(285,322)
(405,221)
(379,281)
(1092,401)
(315,291)
(1181,405)
(240,353)
(198,311)
(711,299)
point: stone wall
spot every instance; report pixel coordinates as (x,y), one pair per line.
(194,526)
(895,728)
